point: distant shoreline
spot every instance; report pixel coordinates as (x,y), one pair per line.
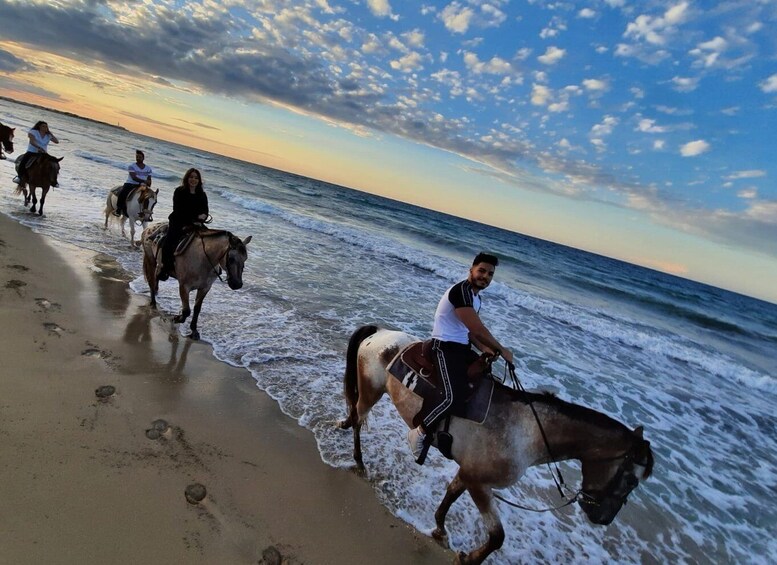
(70,114)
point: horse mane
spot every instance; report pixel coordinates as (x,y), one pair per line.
(568,409)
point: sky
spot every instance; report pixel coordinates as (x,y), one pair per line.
(640,130)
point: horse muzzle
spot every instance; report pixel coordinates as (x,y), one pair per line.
(235,285)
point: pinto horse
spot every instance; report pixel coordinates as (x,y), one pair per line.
(42,172)
(496,453)
(140,208)
(196,267)
(6,140)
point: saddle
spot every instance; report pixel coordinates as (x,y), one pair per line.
(415,368)
(188,237)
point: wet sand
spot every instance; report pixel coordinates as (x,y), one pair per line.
(82,481)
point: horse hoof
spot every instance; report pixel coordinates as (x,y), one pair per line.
(439,535)
(195,335)
(178,319)
(343,424)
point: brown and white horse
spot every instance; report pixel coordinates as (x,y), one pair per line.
(496,453)
(140,208)
(6,140)
(41,173)
(197,267)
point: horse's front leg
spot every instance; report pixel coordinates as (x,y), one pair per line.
(123,222)
(201,293)
(484,500)
(34,198)
(452,494)
(185,310)
(132,233)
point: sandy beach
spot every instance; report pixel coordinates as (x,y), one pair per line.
(82,481)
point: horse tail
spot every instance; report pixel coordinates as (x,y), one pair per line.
(350,381)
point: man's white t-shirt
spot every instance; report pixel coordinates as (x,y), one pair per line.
(447,326)
(141,172)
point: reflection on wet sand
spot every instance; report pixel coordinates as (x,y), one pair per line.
(111,284)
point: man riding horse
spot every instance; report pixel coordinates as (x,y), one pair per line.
(139,173)
(456,326)
(39,136)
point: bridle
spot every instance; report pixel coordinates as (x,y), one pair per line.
(146,213)
(613,488)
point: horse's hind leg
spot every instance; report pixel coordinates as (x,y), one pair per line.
(452,494)
(149,270)
(185,309)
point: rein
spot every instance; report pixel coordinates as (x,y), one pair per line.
(217,266)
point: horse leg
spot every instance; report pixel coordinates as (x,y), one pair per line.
(123,231)
(132,233)
(185,310)
(34,206)
(201,293)
(452,494)
(149,269)
(484,500)
(44,191)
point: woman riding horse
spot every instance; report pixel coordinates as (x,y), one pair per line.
(40,136)
(190,206)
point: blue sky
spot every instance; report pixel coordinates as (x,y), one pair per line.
(639,130)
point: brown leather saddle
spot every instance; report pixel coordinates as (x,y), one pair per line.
(189,236)
(416,369)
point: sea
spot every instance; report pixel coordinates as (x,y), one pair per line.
(695,365)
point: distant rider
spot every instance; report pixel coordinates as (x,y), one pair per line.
(139,173)
(40,136)
(457,326)
(190,207)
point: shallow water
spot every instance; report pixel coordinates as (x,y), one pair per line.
(695,365)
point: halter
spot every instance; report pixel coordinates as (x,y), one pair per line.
(217,265)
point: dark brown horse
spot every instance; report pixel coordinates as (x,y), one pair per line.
(6,140)
(42,172)
(196,267)
(496,453)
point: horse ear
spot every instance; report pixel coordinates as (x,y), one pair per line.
(58,160)
(638,432)
(247,240)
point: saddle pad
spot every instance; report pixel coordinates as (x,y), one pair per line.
(115,190)
(477,405)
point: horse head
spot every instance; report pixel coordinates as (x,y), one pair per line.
(608,482)
(235,260)
(6,137)
(52,168)
(147,199)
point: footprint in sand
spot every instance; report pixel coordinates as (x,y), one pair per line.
(21,268)
(271,556)
(104,392)
(195,493)
(15,285)
(158,429)
(96,353)
(54,329)
(46,305)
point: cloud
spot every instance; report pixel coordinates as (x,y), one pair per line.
(595,85)
(10,63)
(752,174)
(694,148)
(748,193)
(649,126)
(552,56)
(769,85)
(586,13)
(456,17)
(381,8)
(685,84)
(496,65)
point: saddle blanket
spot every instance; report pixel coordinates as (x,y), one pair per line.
(477,405)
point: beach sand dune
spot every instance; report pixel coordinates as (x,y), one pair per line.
(102,480)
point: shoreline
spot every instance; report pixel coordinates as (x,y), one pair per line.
(83,482)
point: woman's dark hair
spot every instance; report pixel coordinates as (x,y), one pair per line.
(483,257)
(190,172)
(38,124)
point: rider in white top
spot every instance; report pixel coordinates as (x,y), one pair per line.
(457,326)
(39,136)
(139,173)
